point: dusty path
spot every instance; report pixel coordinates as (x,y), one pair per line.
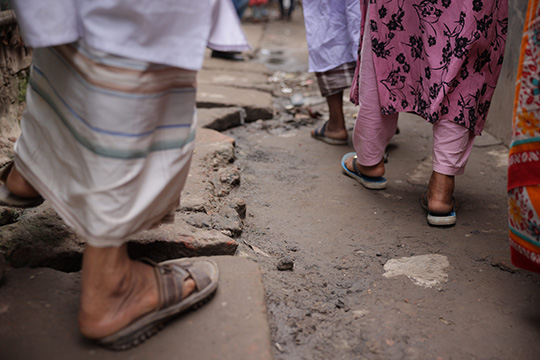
(337,303)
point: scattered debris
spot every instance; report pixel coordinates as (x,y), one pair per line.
(340,304)
(285,264)
(297,99)
(503,267)
(256,249)
(9,216)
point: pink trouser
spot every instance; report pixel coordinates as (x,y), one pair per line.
(452,143)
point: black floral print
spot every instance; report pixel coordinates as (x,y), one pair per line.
(438,58)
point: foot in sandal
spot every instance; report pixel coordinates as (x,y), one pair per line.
(123,302)
(15,191)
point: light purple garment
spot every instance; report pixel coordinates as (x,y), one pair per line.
(173,33)
(332,31)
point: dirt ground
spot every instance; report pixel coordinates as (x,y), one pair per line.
(339,301)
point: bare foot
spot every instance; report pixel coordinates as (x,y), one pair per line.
(440,192)
(371,171)
(116,291)
(18,185)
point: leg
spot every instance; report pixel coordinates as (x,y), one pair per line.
(335,127)
(18,185)
(116,291)
(291,8)
(452,145)
(281,9)
(373,130)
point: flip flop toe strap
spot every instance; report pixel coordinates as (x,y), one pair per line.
(319,132)
(355,167)
(171,277)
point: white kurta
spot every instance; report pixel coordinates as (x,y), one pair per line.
(332,31)
(168,32)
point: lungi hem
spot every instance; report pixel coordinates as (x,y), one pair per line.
(337,79)
(139,118)
(71,220)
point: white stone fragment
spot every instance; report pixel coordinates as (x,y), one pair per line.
(423,270)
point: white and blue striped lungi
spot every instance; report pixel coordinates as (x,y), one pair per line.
(106,140)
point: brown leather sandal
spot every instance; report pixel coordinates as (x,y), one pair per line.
(170,276)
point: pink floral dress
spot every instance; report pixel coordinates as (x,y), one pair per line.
(437,58)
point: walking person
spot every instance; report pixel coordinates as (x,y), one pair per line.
(286,8)
(332,32)
(107,138)
(524,161)
(240,6)
(440,60)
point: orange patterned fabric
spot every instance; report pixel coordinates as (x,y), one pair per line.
(524,160)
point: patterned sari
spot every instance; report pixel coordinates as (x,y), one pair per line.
(524,161)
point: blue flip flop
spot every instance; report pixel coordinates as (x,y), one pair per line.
(319,132)
(372,183)
(448,219)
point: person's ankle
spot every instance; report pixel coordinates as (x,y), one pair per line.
(18,185)
(372,171)
(112,303)
(440,193)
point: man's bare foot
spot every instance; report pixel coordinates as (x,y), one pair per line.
(116,291)
(439,193)
(18,185)
(371,171)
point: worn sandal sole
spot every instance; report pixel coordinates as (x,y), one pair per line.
(151,323)
(331,141)
(439,220)
(141,335)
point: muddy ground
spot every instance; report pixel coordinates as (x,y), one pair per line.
(339,301)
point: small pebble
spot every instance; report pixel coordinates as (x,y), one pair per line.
(285,264)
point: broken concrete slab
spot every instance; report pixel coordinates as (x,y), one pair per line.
(226,218)
(38,320)
(213,150)
(257,104)
(180,239)
(237,66)
(240,79)
(221,118)
(211,179)
(41,239)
